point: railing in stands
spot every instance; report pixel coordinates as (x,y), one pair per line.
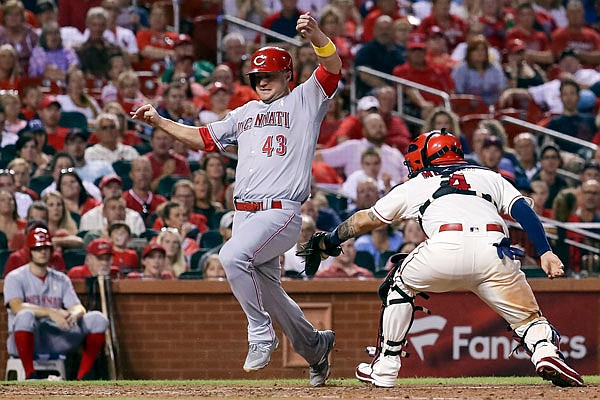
(264,32)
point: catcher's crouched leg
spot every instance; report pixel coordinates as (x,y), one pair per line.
(398,311)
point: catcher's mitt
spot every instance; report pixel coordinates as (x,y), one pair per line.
(316,249)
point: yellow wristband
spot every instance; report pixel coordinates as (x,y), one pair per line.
(325,51)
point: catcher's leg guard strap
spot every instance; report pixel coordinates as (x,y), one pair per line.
(539,339)
(398,317)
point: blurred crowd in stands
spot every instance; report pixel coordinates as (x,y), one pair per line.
(124,200)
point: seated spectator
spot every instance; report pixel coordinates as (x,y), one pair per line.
(225,229)
(352,125)
(62,161)
(119,234)
(10,223)
(437,49)
(332,25)
(109,148)
(242,94)
(16,32)
(127,135)
(347,154)
(175,107)
(68,324)
(216,173)
(460,51)
(77,199)
(111,186)
(586,212)
(537,47)
(140,198)
(282,21)
(351,19)
(50,60)
(539,194)
(343,265)
(8,183)
(98,261)
(589,171)
(77,99)
(293,265)
(12,123)
(49,113)
(379,241)
(398,133)
(494,22)
(381,7)
(476,75)
(113,210)
(370,162)
(551,161)
(117,35)
(441,117)
(59,218)
(46,14)
(32,98)
(212,269)
(412,232)
(155,43)
(10,70)
(526,150)
(172,215)
(519,73)
(492,151)
(22,176)
(453,26)
(75,145)
(219,99)
(183,193)
(185,66)
(366,196)
(325,218)
(96,51)
(171,240)
(129,95)
(116,66)
(153,264)
(203,203)
(163,160)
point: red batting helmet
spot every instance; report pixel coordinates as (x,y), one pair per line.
(39,237)
(433,148)
(270,59)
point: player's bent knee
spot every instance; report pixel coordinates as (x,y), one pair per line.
(94,322)
(25,321)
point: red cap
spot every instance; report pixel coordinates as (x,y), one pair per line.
(153,247)
(435,30)
(417,41)
(515,45)
(100,246)
(39,237)
(182,39)
(49,100)
(216,86)
(110,178)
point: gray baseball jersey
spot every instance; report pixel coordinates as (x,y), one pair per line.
(276,143)
(55,291)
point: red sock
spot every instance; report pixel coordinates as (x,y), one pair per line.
(24,342)
(93,344)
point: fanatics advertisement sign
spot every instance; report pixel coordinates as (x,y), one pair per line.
(464,337)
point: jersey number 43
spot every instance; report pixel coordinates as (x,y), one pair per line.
(277,144)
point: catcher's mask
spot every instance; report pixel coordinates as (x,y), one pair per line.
(269,59)
(433,148)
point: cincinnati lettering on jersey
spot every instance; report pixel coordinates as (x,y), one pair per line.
(44,301)
(271,118)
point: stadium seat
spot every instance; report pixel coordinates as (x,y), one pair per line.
(9,152)
(122,167)
(4,254)
(337,202)
(149,234)
(195,260)
(190,275)
(44,365)
(384,257)
(39,183)
(194,166)
(74,257)
(210,239)
(143,148)
(3,241)
(73,119)
(463,104)
(365,259)
(204,38)
(214,222)
(165,185)
(468,125)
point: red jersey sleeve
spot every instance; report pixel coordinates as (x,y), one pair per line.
(209,143)
(328,81)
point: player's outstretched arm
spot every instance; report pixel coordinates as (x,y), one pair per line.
(324,47)
(185,134)
(359,223)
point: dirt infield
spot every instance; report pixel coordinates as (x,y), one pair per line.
(39,390)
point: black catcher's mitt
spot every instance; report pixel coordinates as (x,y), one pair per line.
(316,249)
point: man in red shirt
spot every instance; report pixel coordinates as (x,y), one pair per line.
(49,113)
(383,7)
(417,69)
(454,27)
(98,261)
(164,161)
(538,49)
(351,126)
(576,36)
(140,198)
(398,134)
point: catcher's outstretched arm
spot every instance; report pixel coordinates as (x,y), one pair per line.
(361,222)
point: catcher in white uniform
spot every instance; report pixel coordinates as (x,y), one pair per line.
(458,206)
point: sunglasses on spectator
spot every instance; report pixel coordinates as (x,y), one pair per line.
(67,170)
(7,171)
(170,230)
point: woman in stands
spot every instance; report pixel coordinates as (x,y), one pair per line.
(10,70)
(61,225)
(22,177)
(443,118)
(214,166)
(16,32)
(50,60)
(204,203)
(77,200)
(76,99)
(173,216)
(10,224)
(170,239)
(12,123)
(183,193)
(27,148)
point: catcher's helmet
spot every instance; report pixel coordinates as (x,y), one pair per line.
(39,237)
(270,59)
(433,148)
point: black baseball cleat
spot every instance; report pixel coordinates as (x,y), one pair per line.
(556,370)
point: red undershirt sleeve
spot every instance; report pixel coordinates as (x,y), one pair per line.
(209,143)
(328,81)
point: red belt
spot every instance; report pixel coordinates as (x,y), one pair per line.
(459,227)
(255,205)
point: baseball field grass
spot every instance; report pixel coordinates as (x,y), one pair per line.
(489,388)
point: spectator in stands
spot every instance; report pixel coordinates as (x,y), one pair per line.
(492,151)
(589,171)
(453,26)
(283,21)
(109,148)
(204,203)
(76,198)
(235,51)
(225,226)
(477,75)
(293,265)
(63,161)
(77,99)
(113,209)
(370,162)
(475,29)
(60,222)
(132,17)
(212,269)
(175,261)
(437,49)
(10,223)
(8,183)
(116,65)
(324,216)
(183,193)
(398,133)
(539,194)
(27,149)
(537,48)
(216,172)
(12,123)
(49,113)
(382,7)
(22,176)
(163,160)
(75,144)
(96,51)
(32,98)
(153,264)
(127,136)
(95,219)
(184,63)
(571,122)
(331,122)
(16,32)
(347,155)
(119,234)
(379,241)
(352,19)
(343,266)
(172,216)
(332,25)
(98,261)
(174,107)
(494,22)
(128,94)
(367,195)
(241,93)
(220,95)
(576,36)
(10,69)
(412,232)
(519,73)
(46,13)
(587,211)
(381,54)
(352,126)
(526,150)
(156,43)
(50,59)
(441,117)
(253,11)
(551,161)
(140,198)
(118,35)
(419,70)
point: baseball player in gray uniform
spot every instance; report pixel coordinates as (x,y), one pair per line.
(45,315)
(468,248)
(276,139)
